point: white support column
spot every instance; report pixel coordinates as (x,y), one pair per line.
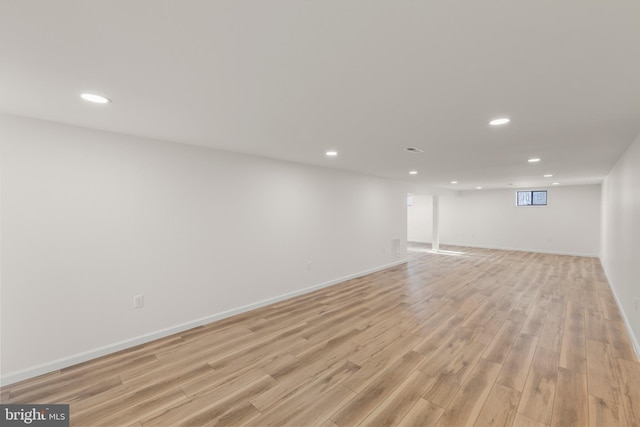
(435,240)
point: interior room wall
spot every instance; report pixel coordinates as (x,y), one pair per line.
(90,219)
(570,224)
(420,219)
(621,236)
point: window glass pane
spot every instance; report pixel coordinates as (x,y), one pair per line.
(524,198)
(539,197)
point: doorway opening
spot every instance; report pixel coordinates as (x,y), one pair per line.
(420,220)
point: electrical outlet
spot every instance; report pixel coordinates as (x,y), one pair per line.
(309,265)
(138,301)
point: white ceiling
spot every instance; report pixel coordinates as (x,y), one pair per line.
(291,79)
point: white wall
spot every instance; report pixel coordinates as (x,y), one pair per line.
(89,219)
(570,224)
(420,219)
(620,252)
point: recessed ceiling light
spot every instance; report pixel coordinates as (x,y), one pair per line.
(454,182)
(331,153)
(534,160)
(500,121)
(413,172)
(555,183)
(478,188)
(97,99)
(549,175)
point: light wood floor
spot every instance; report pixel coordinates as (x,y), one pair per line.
(466,337)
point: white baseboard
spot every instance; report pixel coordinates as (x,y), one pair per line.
(539,251)
(14,377)
(627,324)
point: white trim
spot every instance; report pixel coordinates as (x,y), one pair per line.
(539,251)
(65,362)
(627,324)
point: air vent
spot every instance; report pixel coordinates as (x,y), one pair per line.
(414,150)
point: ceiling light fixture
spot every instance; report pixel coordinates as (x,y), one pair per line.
(331,153)
(413,172)
(454,182)
(555,183)
(534,160)
(478,188)
(500,121)
(96,99)
(549,175)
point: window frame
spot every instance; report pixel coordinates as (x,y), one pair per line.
(532,204)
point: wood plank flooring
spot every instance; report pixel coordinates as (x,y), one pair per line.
(460,338)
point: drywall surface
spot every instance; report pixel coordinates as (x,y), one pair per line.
(570,224)
(420,219)
(620,253)
(90,219)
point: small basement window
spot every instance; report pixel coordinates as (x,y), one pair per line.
(531,198)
